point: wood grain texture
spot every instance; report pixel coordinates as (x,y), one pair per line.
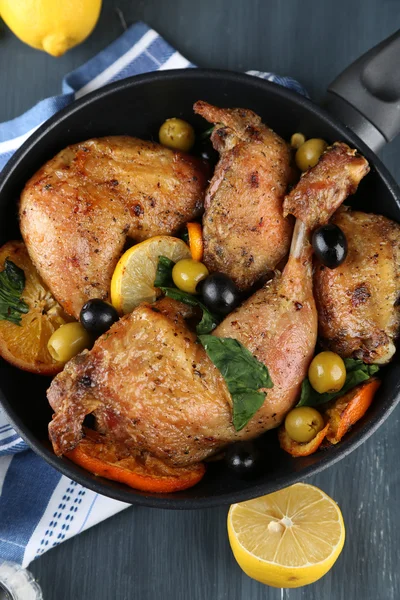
(148,554)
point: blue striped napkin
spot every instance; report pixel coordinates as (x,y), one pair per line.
(39,507)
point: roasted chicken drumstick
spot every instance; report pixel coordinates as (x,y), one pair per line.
(77,211)
(245,233)
(278,324)
(153,388)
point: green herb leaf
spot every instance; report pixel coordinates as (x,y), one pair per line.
(206,134)
(164,272)
(244,375)
(12,283)
(356,372)
(184,235)
(164,281)
(208,321)
(245,405)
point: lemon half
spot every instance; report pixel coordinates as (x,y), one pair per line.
(54,26)
(289,538)
(134,275)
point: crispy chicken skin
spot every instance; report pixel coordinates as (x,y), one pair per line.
(78,209)
(321,190)
(152,387)
(278,324)
(357,303)
(245,233)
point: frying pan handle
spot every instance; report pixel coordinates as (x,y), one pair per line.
(366,96)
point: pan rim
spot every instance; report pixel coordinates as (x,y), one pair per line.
(254,489)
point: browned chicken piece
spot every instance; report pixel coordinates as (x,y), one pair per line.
(357,303)
(152,387)
(77,211)
(245,233)
(321,190)
(278,324)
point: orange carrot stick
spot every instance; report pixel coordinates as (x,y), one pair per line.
(195,240)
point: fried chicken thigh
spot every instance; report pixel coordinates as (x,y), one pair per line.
(245,233)
(153,388)
(77,211)
(150,386)
(357,303)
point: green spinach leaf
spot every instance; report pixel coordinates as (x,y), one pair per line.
(184,235)
(164,281)
(356,372)
(164,272)
(244,375)
(208,321)
(12,283)
(206,134)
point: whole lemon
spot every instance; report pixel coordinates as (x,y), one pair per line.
(54,26)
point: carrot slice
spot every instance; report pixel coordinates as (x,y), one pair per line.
(301,449)
(100,457)
(195,240)
(348,409)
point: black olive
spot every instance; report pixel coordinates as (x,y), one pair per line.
(330,245)
(97,316)
(203,148)
(210,155)
(244,459)
(219,293)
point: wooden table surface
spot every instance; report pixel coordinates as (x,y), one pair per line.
(149,554)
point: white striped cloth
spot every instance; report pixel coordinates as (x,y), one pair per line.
(39,507)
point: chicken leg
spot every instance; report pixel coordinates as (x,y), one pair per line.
(245,233)
(278,324)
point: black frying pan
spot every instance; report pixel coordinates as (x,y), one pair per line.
(366,98)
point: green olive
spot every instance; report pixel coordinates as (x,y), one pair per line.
(309,153)
(187,273)
(67,341)
(327,372)
(297,140)
(303,423)
(177,134)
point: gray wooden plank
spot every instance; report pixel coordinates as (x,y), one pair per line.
(147,554)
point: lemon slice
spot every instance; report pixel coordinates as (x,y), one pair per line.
(133,278)
(289,538)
